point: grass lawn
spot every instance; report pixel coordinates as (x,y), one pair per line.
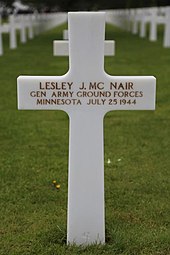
(34,152)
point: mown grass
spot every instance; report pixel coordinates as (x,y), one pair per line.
(34,151)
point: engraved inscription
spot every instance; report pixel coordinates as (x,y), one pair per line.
(93,93)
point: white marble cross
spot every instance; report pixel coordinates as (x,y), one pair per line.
(86,93)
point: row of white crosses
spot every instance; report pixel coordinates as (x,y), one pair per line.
(137,19)
(86,93)
(28,25)
(119,18)
(153,16)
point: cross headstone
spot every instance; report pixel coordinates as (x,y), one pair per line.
(86,93)
(1,44)
(23,31)
(143,24)
(153,25)
(30,27)
(166,42)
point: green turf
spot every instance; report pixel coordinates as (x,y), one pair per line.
(34,151)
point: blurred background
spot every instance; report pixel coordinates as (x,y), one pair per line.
(31,6)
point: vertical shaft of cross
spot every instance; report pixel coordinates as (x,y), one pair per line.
(86,179)
(86,46)
(167,29)
(12,34)
(86,167)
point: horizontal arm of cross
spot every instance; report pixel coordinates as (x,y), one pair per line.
(105,94)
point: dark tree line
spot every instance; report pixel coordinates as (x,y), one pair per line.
(71,5)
